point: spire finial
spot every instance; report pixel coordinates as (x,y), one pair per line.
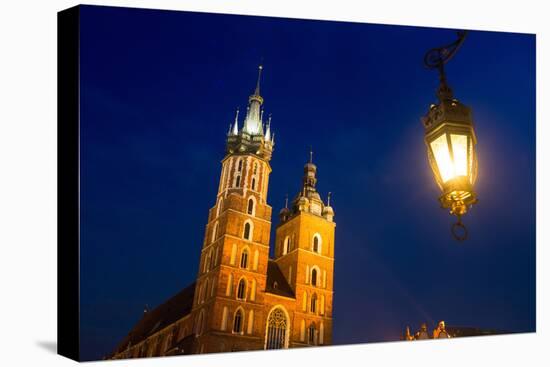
(310,154)
(328,198)
(257,91)
(286,201)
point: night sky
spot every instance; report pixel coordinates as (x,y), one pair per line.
(158,91)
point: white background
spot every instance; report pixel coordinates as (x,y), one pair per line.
(28,181)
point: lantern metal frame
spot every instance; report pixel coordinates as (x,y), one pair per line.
(450,117)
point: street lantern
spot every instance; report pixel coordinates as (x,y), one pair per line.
(450,141)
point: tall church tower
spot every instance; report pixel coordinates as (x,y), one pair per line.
(235,252)
(242,299)
(304,251)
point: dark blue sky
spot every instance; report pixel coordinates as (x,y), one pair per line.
(159,90)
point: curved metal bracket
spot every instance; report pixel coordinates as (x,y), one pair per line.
(438,56)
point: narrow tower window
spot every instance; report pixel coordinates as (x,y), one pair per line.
(286,245)
(316,246)
(247,231)
(241,289)
(238,321)
(240,167)
(238,181)
(313,308)
(314,277)
(311,334)
(250,208)
(254,183)
(244,259)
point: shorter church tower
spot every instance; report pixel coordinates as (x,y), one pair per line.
(304,251)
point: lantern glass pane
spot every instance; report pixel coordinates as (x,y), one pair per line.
(460,154)
(442,156)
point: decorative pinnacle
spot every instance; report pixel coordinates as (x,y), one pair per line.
(310,154)
(268,129)
(236,125)
(328,198)
(286,201)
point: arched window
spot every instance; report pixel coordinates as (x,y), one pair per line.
(247,233)
(253,183)
(316,246)
(255,170)
(277,329)
(238,321)
(238,181)
(286,245)
(214,232)
(241,289)
(313,308)
(244,259)
(250,208)
(240,165)
(311,334)
(314,277)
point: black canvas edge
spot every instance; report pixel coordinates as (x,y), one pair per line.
(68,218)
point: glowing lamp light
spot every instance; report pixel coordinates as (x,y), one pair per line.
(450,141)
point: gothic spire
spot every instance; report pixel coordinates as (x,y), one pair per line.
(253,120)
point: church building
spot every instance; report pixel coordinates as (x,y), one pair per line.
(242,299)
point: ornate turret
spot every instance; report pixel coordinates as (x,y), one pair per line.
(309,200)
(284,213)
(251,138)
